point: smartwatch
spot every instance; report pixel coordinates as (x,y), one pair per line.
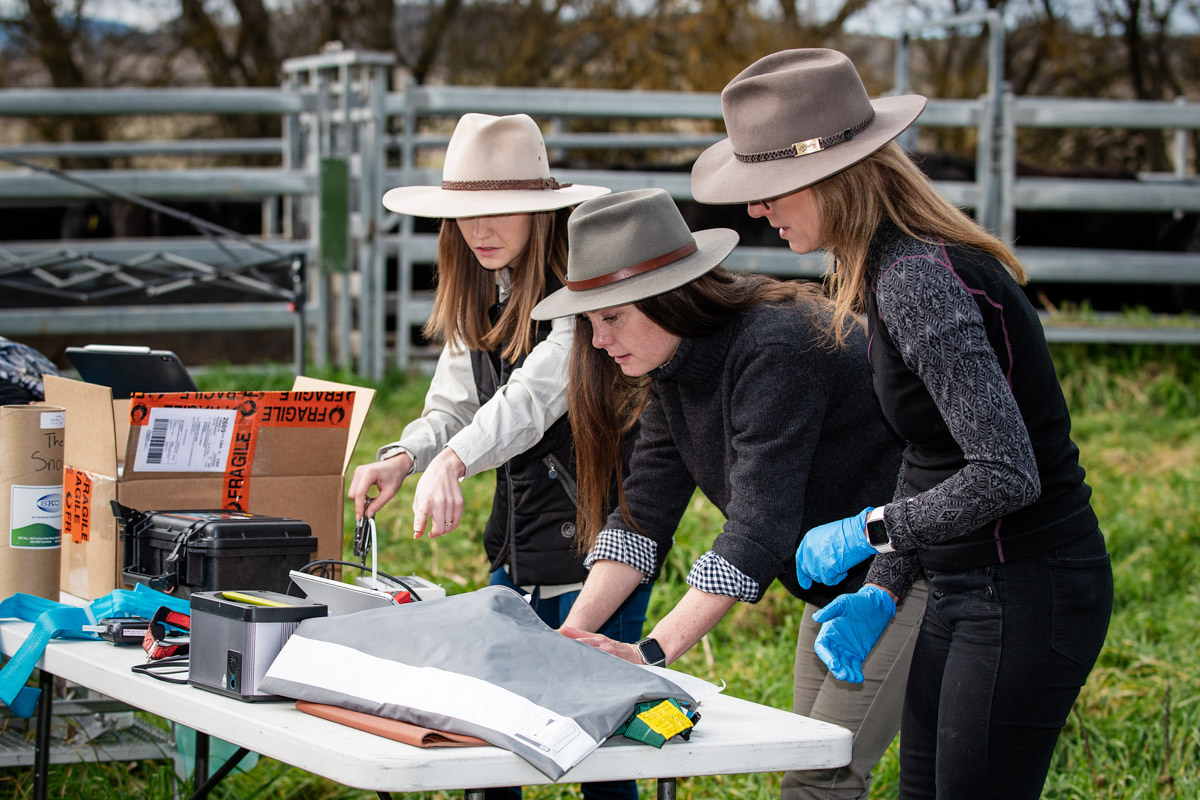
(876,532)
(652,652)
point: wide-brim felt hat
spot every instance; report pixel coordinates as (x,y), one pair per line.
(795,118)
(628,246)
(493,165)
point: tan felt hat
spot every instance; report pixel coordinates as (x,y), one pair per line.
(494,165)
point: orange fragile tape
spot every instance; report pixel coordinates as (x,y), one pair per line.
(254,411)
(235,483)
(273,409)
(77,504)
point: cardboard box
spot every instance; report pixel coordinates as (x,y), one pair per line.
(31,470)
(283,454)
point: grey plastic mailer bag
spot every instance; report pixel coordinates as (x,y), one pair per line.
(479,663)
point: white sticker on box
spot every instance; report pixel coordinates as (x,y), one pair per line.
(185,440)
(35,519)
(49,420)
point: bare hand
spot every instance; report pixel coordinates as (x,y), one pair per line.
(438,502)
(611,646)
(386,475)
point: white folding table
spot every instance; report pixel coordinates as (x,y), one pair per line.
(733,735)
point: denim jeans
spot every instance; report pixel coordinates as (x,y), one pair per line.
(1001,657)
(625,625)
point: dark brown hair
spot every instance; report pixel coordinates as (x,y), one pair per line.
(604,404)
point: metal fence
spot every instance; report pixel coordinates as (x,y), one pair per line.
(346,138)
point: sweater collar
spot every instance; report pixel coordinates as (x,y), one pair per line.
(697,359)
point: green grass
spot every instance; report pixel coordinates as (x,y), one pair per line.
(1135,731)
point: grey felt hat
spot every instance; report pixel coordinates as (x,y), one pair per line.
(795,118)
(628,246)
(493,165)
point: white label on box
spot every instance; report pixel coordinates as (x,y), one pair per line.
(185,440)
(35,519)
(51,420)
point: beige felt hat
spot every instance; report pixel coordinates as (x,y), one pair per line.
(794,118)
(494,165)
(628,246)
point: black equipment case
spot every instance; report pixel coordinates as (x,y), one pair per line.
(181,552)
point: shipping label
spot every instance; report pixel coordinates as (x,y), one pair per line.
(185,440)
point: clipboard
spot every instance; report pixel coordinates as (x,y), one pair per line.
(130,369)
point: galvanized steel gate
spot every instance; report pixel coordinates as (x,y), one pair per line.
(347,138)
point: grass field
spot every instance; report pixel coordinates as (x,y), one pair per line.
(1135,731)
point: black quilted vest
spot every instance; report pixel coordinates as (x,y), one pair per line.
(532,526)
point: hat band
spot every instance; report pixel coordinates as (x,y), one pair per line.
(808,146)
(636,269)
(542,184)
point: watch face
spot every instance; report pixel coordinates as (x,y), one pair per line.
(876,533)
(652,652)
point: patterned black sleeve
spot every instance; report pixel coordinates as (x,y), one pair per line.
(894,572)
(939,331)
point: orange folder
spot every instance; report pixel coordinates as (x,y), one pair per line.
(405,732)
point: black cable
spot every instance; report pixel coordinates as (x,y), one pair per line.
(172,665)
(325,563)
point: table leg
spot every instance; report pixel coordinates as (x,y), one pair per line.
(41,756)
(200,766)
(666,789)
(202,789)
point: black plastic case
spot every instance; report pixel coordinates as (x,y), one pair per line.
(181,552)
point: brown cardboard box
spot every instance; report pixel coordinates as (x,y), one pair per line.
(31,470)
(283,454)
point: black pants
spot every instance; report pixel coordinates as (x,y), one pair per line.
(1002,654)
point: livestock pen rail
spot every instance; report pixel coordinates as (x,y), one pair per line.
(344,138)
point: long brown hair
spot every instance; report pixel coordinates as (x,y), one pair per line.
(604,404)
(465,290)
(888,185)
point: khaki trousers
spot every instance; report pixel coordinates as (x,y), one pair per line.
(870,710)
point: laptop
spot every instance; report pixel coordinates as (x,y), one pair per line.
(340,598)
(130,369)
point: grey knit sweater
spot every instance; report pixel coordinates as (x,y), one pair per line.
(779,431)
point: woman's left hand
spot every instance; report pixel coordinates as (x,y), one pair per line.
(611,646)
(438,500)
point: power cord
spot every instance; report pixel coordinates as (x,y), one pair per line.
(172,665)
(323,568)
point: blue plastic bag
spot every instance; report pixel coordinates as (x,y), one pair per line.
(54,620)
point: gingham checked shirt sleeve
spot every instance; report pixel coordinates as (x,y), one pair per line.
(710,573)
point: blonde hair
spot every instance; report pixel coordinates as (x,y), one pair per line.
(887,185)
(466,291)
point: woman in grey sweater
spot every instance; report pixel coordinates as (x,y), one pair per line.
(734,389)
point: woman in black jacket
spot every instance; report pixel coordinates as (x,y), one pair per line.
(991,505)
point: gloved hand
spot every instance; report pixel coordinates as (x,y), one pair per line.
(827,551)
(850,627)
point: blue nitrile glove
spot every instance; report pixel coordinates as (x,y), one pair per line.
(828,551)
(850,627)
